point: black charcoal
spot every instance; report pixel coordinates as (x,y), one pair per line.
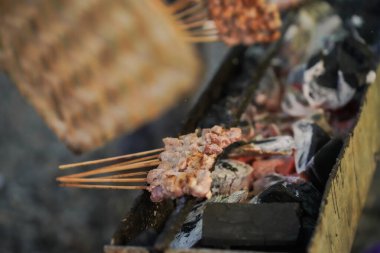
(294,103)
(191,231)
(320,166)
(304,193)
(309,138)
(332,77)
(249,225)
(283,145)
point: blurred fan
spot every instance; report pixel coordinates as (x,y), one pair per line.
(96,69)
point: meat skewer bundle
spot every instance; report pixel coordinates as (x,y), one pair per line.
(186,160)
(197,164)
(233,22)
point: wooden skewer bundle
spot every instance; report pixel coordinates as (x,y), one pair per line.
(137,166)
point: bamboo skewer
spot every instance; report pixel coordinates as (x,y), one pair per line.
(115,168)
(137,161)
(197,7)
(118,165)
(126,175)
(104,160)
(203,15)
(200,26)
(201,33)
(113,187)
(198,23)
(142,159)
(101,180)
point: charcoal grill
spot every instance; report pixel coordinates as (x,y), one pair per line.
(343,198)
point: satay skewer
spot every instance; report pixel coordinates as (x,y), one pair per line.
(118,165)
(110,159)
(112,187)
(127,175)
(200,24)
(205,33)
(194,9)
(196,17)
(101,180)
(116,168)
(200,14)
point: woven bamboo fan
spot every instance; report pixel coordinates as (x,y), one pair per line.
(95,69)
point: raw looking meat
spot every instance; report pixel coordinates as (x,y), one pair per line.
(186,163)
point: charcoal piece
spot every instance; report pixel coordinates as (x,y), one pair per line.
(304,193)
(278,193)
(248,225)
(191,231)
(355,59)
(267,181)
(310,199)
(307,230)
(309,138)
(278,145)
(319,96)
(230,176)
(320,166)
(294,102)
(332,77)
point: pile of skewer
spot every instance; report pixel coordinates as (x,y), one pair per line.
(125,172)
